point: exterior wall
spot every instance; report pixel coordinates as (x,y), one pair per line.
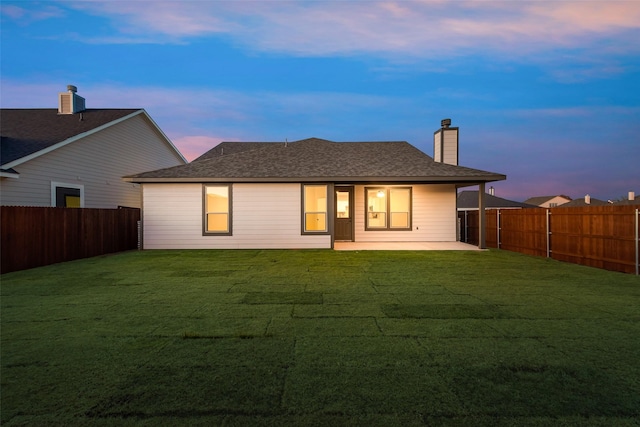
(559,201)
(434,216)
(96,163)
(264,216)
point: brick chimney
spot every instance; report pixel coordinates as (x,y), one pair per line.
(445,143)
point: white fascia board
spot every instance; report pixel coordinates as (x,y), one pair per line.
(5,174)
(75,138)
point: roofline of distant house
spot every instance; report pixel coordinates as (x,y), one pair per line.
(461,181)
(90,132)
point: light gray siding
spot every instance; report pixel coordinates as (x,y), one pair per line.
(96,163)
(434,216)
(269,216)
(264,216)
(450,147)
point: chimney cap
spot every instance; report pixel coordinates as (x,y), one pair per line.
(445,123)
(72,88)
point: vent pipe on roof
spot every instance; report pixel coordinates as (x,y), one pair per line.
(492,191)
(587,199)
(70,102)
(632,195)
(445,143)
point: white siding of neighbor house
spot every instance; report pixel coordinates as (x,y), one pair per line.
(434,216)
(96,163)
(556,201)
(264,216)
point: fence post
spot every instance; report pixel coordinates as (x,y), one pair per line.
(637,245)
(466,226)
(498,228)
(548,233)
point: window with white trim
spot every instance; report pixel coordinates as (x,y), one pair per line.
(65,195)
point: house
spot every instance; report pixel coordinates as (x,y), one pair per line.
(632,199)
(548,201)
(468,201)
(75,157)
(307,194)
(584,201)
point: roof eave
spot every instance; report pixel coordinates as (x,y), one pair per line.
(70,140)
(461,180)
(9,174)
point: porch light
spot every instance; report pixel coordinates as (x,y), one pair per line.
(380,193)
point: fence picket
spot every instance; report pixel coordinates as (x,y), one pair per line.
(36,236)
(599,236)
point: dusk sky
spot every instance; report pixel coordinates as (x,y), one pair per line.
(546,92)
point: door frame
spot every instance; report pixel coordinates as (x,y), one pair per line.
(351,190)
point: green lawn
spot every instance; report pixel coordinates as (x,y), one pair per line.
(315,338)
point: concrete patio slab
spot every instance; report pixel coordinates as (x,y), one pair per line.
(404,246)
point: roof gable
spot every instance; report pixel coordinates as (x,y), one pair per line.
(543,199)
(27,133)
(315,159)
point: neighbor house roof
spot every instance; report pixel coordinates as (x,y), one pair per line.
(316,159)
(543,199)
(469,200)
(634,201)
(581,202)
(28,133)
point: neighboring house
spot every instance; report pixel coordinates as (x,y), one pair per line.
(307,194)
(632,199)
(76,157)
(548,201)
(584,201)
(468,201)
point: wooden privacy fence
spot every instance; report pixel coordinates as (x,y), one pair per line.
(36,236)
(598,236)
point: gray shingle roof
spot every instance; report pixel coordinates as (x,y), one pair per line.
(469,200)
(26,131)
(582,202)
(316,159)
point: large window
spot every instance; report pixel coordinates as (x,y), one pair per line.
(314,215)
(388,208)
(217,209)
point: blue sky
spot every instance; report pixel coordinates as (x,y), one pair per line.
(546,92)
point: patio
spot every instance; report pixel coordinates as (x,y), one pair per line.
(404,246)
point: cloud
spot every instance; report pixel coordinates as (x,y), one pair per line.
(419,29)
(193,146)
(29,15)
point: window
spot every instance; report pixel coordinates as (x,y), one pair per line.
(388,208)
(67,195)
(314,209)
(217,209)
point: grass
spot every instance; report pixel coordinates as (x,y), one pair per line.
(257,338)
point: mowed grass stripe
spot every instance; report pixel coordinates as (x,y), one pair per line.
(319,338)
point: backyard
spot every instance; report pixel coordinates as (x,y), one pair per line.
(320,337)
